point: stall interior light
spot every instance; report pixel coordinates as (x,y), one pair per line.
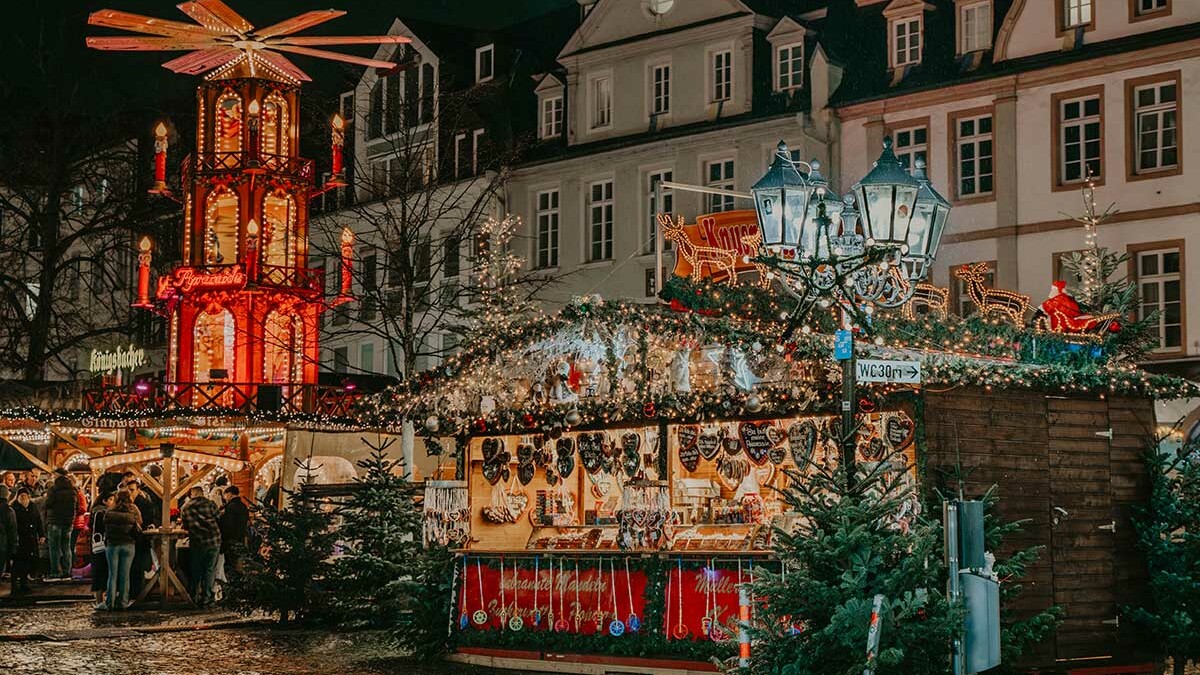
(229,464)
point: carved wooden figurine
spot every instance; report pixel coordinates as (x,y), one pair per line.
(992,301)
(717,259)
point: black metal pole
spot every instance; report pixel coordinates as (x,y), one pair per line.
(849,449)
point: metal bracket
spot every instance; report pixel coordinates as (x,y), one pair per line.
(1107,433)
(1115,621)
(1111,527)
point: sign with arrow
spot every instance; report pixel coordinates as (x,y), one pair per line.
(899,372)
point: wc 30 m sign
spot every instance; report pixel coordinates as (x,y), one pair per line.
(900,372)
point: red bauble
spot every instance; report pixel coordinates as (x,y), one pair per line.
(866,405)
(528,420)
(481,425)
(648,410)
(922,614)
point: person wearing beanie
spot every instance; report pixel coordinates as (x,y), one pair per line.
(30,535)
(8,530)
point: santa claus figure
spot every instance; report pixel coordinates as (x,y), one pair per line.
(1064,315)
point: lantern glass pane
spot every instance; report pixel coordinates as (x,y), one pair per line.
(940,215)
(918,230)
(796,214)
(878,211)
(770,216)
(906,199)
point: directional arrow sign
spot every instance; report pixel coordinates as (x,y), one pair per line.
(901,372)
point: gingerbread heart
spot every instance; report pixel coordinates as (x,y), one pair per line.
(631,461)
(566,457)
(689,456)
(525,472)
(802,440)
(709,445)
(591,454)
(756,441)
(900,431)
(491,448)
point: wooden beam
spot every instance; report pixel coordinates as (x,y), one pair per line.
(34,460)
(193,479)
(150,482)
(90,452)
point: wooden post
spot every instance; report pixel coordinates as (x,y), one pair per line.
(170,465)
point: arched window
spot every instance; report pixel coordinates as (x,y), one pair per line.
(214,346)
(275,126)
(279,233)
(227,128)
(283,343)
(221,227)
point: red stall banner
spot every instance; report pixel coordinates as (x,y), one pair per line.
(596,596)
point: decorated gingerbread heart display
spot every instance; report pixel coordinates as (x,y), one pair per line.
(756,440)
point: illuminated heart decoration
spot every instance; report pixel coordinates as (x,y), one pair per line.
(756,440)
(900,431)
(709,444)
(802,440)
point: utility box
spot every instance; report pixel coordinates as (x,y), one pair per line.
(970,535)
(981,646)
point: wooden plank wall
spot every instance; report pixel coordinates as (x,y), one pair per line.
(1043,452)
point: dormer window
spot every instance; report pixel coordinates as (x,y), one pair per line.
(485,63)
(975,27)
(789,66)
(906,41)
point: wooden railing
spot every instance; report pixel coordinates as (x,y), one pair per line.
(225,162)
(239,397)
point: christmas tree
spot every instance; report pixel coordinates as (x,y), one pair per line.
(1168,530)
(502,295)
(850,546)
(1098,292)
(285,576)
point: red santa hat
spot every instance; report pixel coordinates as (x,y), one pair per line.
(1061,286)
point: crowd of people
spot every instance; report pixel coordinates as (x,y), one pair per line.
(42,517)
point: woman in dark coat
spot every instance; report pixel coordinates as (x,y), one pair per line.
(30,534)
(100,558)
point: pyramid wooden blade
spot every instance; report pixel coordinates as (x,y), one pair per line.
(200,14)
(226,15)
(333,56)
(282,63)
(111,18)
(299,23)
(202,61)
(319,40)
(147,44)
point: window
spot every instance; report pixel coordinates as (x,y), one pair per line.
(1062,273)
(650,281)
(370,287)
(789,67)
(450,343)
(1160,285)
(719,174)
(722,76)
(428,101)
(601,94)
(375,110)
(912,143)
(366,357)
(906,42)
(547,229)
(975,27)
(1155,126)
(461,154)
(973,150)
(1076,13)
(1145,7)
(485,63)
(476,151)
(660,89)
(600,219)
(451,262)
(341,359)
(668,206)
(961,299)
(1078,146)
(552,117)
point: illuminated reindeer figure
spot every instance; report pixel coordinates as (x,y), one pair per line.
(717,259)
(936,299)
(754,243)
(991,301)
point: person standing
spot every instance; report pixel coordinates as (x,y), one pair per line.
(235,525)
(200,519)
(30,534)
(81,520)
(8,530)
(99,546)
(122,526)
(143,556)
(61,506)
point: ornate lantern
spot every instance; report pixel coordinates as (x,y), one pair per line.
(886,196)
(927,225)
(781,199)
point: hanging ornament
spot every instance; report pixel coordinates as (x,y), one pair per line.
(680,631)
(743,377)
(616,627)
(480,425)
(754,403)
(648,409)
(634,623)
(480,617)
(644,514)
(432,424)
(445,516)
(573,418)
(528,420)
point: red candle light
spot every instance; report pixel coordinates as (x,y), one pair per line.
(251,248)
(347,292)
(143,283)
(338,133)
(160,159)
(252,159)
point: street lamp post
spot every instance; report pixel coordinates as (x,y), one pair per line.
(868,249)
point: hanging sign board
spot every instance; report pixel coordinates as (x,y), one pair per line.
(109,361)
(188,279)
(877,370)
(723,231)
(843,345)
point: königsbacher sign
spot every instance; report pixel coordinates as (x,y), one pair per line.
(119,359)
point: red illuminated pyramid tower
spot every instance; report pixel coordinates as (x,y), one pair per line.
(243,304)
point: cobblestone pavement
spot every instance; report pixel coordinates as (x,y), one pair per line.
(103,648)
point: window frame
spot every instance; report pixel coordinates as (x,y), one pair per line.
(593,80)
(778,69)
(952,150)
(893,129)
(554,235)
(556,123)
(893,24)
(988,11)
(713,53)
(1132,156)
(724,183)
(1135,252)
(1136,14)
(668,196)
(652,97)
(490,50)
(606,242)
(1060,18)
(476,137)
(956,296)
(1057,100)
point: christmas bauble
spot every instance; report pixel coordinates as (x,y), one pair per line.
(432,424)
(616,628)
(754,403)
(480,617)
(516,623)
(573,418)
